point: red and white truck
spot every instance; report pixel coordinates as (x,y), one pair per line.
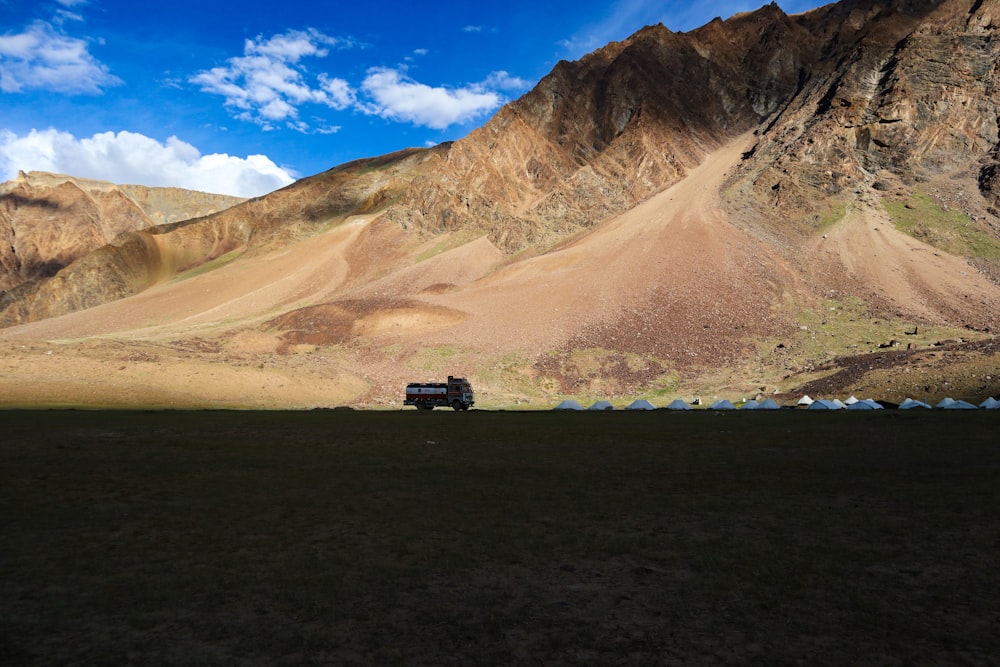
(455,393)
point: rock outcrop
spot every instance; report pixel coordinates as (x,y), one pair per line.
(906,93)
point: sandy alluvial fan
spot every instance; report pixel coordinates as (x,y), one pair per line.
(762,204)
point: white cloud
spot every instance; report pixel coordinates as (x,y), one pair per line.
(41,57)
(340,93)
(267,84)
(63,16)
(397,97)
(502,80)
(132,158)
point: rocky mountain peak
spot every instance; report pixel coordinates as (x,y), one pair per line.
(890,101)
(600,134)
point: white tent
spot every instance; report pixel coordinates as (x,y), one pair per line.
(910,403)
(990,404)
(769,404)
(569,404)
(750,405)
(724,404)
(678,404)
(851,401)
(805,401)
(640,404)
(601,405)
(957,405)
(867,404)
(839,403)
(944,403)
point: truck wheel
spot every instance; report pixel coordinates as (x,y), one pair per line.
(456,405)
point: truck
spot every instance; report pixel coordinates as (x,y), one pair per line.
(456,393)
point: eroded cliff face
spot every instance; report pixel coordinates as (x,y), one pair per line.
(914,100)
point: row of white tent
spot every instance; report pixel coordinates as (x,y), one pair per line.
(851,403)
(951,404)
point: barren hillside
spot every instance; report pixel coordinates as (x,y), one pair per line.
(743,208)
(49,220)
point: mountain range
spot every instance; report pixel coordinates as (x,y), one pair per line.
(768,204)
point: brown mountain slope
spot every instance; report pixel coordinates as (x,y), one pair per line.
(458,302)
(721,211)
(135,261)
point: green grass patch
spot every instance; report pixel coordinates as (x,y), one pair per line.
(405,537)
(328,225)
(834,328)
(839,327)
(392,350)
(510,381)
(599,373)
(664,386)
(952,231)
(830,216)
(449,242)
(218,262)
(434,358)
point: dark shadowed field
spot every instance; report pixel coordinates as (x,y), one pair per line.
(342,537)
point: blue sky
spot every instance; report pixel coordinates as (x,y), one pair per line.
(244,97)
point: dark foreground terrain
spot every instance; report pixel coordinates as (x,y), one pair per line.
(342,537)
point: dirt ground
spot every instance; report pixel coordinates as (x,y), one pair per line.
(348,537)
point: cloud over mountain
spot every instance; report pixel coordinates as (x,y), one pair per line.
(395,96)
(129,157)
